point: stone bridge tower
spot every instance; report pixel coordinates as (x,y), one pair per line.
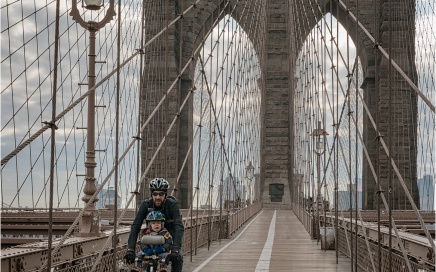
(278,39)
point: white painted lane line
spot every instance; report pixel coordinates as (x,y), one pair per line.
(265,257)
(231,242)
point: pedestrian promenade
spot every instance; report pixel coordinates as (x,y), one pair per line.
(270,241)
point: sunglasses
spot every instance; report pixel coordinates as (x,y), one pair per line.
(158,193)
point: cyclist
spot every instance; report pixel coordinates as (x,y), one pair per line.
(170,207)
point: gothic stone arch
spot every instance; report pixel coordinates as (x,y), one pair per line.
(276,40)
(375,66)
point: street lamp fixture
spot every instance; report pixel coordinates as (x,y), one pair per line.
(249,173)
(92,4)
(319,150)
(89,224)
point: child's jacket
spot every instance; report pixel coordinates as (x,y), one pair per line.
(148,249)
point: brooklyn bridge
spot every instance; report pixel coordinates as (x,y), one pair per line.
(297,135)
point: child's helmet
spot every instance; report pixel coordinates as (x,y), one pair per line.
(159,184)
(154,216)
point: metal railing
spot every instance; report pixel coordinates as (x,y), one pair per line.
(419,251)
(79,253)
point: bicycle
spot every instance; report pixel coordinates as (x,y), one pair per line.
(150,263)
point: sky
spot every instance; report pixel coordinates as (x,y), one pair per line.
(26,101)
(26,97)
(425,38)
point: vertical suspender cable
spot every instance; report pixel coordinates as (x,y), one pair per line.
(378,192)
(146,92)
(166,74)
(356,108)
(378,187)
(53,139)
(225,186)
(226,113)
(335,170)
(210,181)
(200,125)
(160,123)
(336,154)
(317,163)
(209,120)
(140,108)
(220,159)
(336,114)
(336,133)
(198,166)
(324,111)
(312,123)
(390,134)
(163,74)
(350,180)
(312,162)
(212,142)
(117,132)
(294,196)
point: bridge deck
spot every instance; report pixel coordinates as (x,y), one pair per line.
(288,244)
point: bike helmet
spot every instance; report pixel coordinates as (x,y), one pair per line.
(159,184)
(154,216)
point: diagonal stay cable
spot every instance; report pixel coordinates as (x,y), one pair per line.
(216,121)
(400,178)
(400,242)
(121,158)
(177,116)
(207,59)
(113,170)
(98,84)
(384,145)
(170,88)
(394,227)
(394,64)
(60,243)
(209,100)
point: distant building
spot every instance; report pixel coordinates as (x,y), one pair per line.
(344,196)
(107,197)
(426,192)
(344,200)
(233,192)
(256,188)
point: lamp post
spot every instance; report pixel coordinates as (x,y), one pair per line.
(89,224)
(319,150)
(249,172)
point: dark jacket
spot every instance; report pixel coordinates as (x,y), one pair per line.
(173,221)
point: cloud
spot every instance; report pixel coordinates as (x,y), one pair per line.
(235,91)
(27,84)
(308,92)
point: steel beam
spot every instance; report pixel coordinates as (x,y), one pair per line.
(417,247)
(30,257)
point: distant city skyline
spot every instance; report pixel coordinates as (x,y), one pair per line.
(426,192)
(426,189)
(107,197)
(344,196)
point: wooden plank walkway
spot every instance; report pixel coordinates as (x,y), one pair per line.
(288,247)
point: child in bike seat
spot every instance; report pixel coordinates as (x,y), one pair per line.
(155,226)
